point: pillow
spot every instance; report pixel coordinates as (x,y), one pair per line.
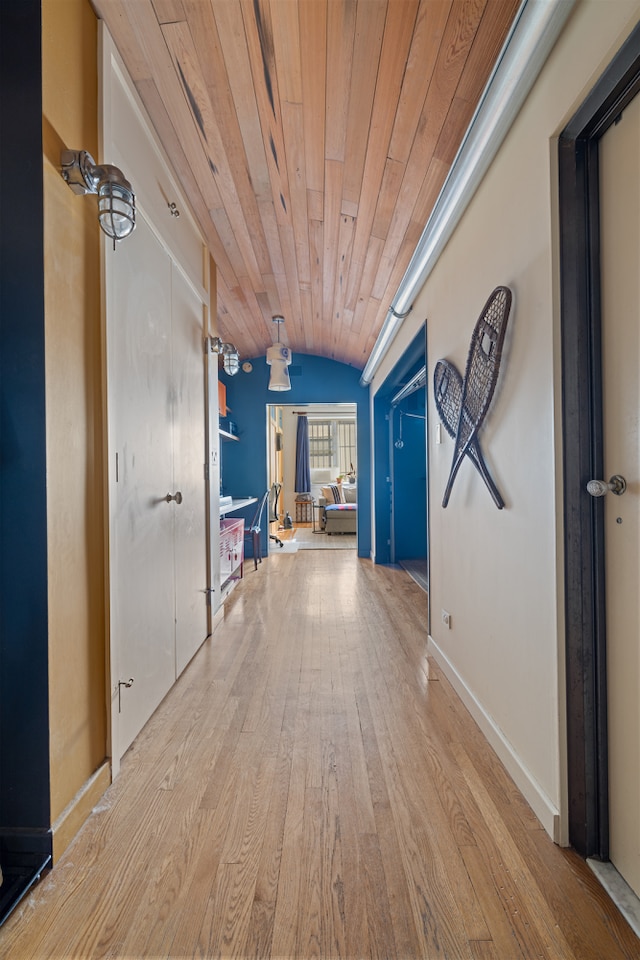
(333,493)
(349,493)
(338,492)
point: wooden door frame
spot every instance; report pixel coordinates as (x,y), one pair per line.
(587,748)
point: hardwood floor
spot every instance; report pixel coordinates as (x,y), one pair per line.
(312,787)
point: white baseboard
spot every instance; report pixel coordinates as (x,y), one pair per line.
(544,809)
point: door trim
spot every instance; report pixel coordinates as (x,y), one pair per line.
(586,676)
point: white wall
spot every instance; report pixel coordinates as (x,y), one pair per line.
(499,573)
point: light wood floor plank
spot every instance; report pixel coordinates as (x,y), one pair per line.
(313,787)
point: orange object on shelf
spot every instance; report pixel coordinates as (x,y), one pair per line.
(222,399)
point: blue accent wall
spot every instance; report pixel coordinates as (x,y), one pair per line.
(382,474)
(313,380)
(401,534)
(24,707)
(410,479)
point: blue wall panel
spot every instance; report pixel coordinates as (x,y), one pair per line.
(25,837)
(410,479)
(313,380)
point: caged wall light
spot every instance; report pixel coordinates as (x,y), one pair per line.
(229,354)
(116,199)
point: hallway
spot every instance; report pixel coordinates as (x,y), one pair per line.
(312,787)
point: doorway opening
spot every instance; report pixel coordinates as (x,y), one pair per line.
(401,468)
(322,512)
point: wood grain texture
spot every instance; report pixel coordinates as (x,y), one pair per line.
(312,787)
(283,117)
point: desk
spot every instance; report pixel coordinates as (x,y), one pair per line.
(232,539)
(236,505)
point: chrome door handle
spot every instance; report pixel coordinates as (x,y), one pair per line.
(177,497)
(598,488)
(123,683)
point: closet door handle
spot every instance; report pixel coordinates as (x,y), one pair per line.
(598,488)
(177,497)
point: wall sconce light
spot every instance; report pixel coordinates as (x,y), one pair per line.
(279,358)
(229,354)
(116,199)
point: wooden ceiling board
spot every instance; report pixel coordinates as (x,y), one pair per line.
(462,22)
(456,122)
(222,144)
(315,204)
(286,45)
(131,50)
(292,310)
(292,122)
(333,196)
(368,271)
(230,23)
(430,25)
(390,273)
(307,311)
(369,33)
(487,44)
(427,197)
(313,57)
(224,231)
(272,235)
(345,246)
(395,48)
(206,41)
(141,22)
(341,25)
(311,139)
(316,259)
(168,11)
(387,198)
(259,39)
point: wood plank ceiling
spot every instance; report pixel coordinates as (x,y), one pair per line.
(312,138)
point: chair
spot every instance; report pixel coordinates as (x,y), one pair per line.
(252,532)
(273,509)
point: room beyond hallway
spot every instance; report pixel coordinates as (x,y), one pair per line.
(312,787)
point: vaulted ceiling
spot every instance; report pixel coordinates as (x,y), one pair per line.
(311,138)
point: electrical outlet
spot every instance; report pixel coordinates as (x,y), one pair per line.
(446,619)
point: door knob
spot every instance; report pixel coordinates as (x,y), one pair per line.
(598,488)
(177,497)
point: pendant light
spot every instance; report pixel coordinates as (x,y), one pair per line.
(279,358)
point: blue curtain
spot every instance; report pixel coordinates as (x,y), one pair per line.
(303,470)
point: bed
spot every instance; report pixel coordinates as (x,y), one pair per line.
(340,514)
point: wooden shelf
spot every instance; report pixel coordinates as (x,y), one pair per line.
(227,436)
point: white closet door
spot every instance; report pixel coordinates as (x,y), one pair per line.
(142,403)
(189,469)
